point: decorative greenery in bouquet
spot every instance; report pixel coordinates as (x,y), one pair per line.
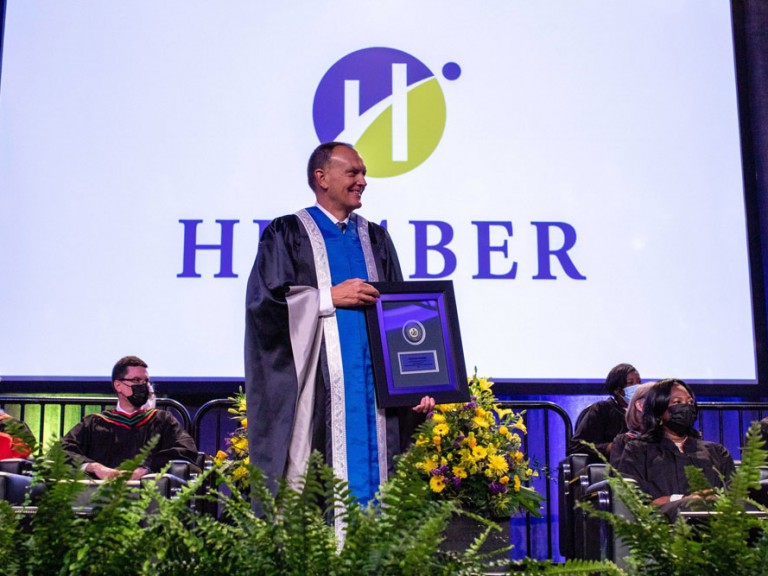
(470,452)
(235,460)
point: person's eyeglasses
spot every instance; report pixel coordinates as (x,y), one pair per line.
(136,381)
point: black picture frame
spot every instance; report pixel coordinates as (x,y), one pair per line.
(416,351)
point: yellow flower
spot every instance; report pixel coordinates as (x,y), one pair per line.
(239,473)
(484,384)
(220,457)
(498,464)
(503,430)
(437,484)
(504,479)
(446,408)
(517,457)
(422,440)
(501,411)
(239,444)
(520,425)
(241,405)
(429,464)
(244,423)
(480,422)
(438,417)
(479,452)
(459,472)
(470,440)
(441,429)
(516,486)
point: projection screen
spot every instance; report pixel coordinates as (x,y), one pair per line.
(573,167)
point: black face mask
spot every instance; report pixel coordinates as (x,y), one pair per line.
(681,418)
(139,395)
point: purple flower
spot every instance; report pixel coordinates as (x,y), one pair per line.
(497,488)
(456,481)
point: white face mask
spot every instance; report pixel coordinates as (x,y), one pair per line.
(629,391)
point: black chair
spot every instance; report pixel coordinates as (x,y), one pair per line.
(567,473)
(16,466)
(14,488)
(600,541)
(589,475)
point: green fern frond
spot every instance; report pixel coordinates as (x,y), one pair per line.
(530,567)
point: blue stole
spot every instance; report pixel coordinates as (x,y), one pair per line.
(346,260)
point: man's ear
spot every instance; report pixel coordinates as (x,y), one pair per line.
(320,182)
(114,385)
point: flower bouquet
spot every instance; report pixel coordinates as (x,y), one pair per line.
(235,459)
(470,452)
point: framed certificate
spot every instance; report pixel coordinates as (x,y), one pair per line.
(415,341)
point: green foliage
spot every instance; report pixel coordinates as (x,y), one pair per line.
(529,567)
(9,535)
(132,530)
(729,541)
(110,538)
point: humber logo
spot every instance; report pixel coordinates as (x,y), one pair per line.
(387,104)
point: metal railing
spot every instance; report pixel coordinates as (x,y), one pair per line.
(51,417)
(727,423)
(212,425)
(549,431)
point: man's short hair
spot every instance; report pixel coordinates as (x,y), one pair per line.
(319,159)
(121,368)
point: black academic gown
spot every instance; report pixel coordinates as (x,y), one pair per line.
(110,438)
(659,467)
(284,260)
(598,424)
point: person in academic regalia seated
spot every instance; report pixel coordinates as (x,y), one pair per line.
(600,422)
(634,420)
(657,459)
(308,373)
(101,442)
(10,445)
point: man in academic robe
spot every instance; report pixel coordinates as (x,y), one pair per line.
(308,374)
(101,442)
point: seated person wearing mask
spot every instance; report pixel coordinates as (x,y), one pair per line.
(634,420)
(657,459)
(600,422)
(101,442)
